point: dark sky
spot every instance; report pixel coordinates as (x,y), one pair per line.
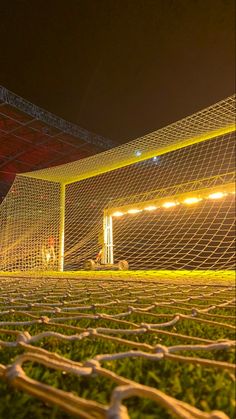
(120,68)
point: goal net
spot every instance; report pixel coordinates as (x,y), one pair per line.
(162,201)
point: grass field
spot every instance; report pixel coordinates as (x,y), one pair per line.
(155,345)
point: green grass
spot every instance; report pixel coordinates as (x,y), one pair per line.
(204,387)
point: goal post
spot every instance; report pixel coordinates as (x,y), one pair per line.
(62,228)
(162,201)
(107,254)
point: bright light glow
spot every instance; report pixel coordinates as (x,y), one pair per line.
(216,195)
(118,214)
(169,204)
(138,153)
(150,208)
(192,200)
(134,211)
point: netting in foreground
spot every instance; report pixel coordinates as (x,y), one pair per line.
(105,349)
(163,201)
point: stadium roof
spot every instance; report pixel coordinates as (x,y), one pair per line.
(32,139)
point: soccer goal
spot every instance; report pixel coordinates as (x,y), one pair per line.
(162,201)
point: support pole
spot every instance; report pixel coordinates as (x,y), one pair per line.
(62,228)
(107,257)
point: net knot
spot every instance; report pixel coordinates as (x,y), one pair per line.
(131,309)
(194,312)
(92,363)
(14,371)
(160,349)
(145,326)
(23,337)
(44,319)
(57,310)
(92,331)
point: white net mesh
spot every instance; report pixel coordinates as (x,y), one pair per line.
(163,201)
(89,347)
(29,217)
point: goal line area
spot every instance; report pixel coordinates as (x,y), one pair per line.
(219,277)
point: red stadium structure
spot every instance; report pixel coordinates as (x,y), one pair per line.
(32,138)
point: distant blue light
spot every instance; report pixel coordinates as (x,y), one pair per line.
(138,153)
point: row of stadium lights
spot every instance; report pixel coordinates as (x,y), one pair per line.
(170,204)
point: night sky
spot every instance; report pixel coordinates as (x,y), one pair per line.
(120,68)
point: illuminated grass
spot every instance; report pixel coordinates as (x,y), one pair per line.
(204,387)
(180,275)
